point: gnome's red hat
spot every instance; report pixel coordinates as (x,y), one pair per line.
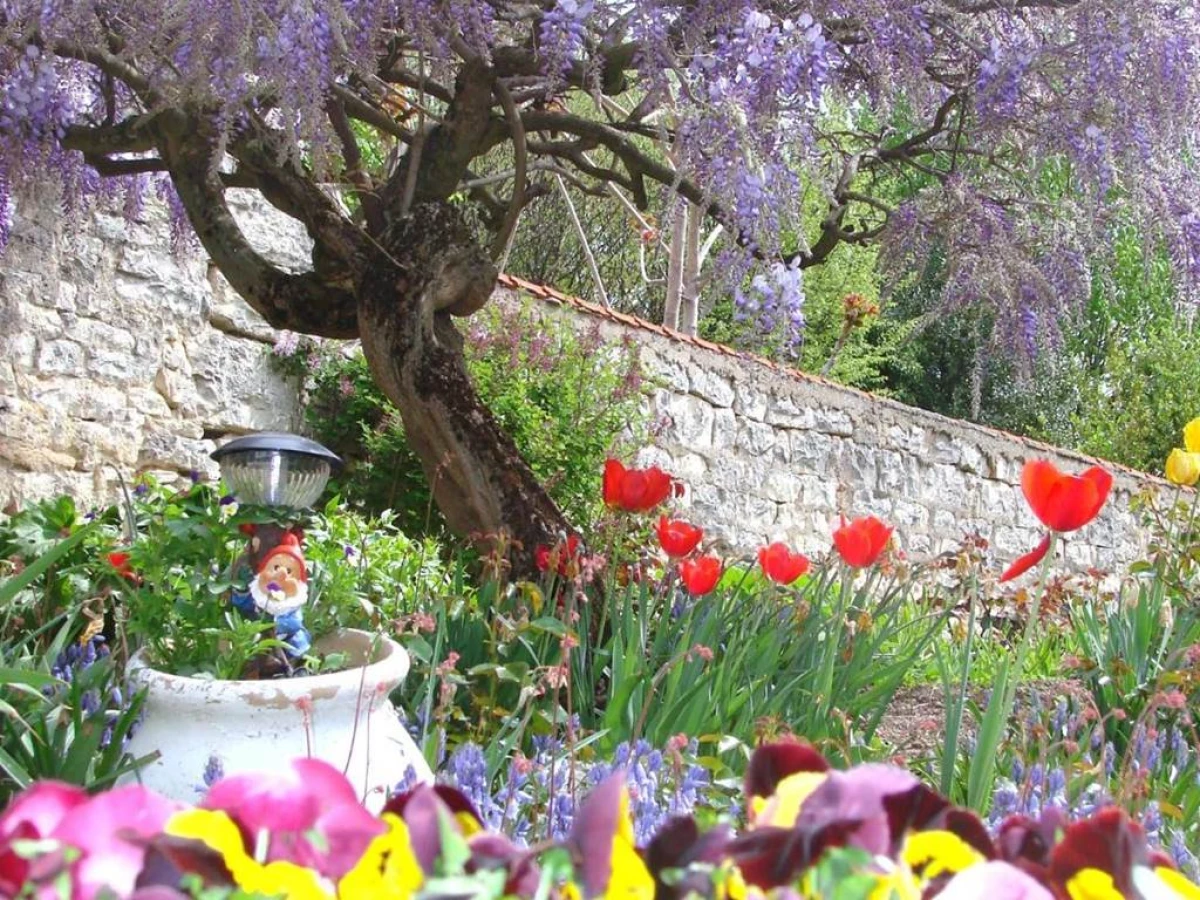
(289,544)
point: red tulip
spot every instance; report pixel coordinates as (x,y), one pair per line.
(861,542)
(780,564)
(635,490)
(560,558)
(1064,502)
(700,574)
(119,560)
(1024,563)
(677,537)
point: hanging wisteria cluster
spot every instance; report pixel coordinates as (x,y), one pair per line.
(1015,123)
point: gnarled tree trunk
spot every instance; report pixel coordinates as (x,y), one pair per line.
(428,268)
(396,291)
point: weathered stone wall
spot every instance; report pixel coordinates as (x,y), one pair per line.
(773,454)
(116,355)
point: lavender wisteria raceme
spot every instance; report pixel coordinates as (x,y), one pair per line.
(1013,124)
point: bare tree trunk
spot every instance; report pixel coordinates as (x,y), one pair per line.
(689,318)
(432,269)
(977,374)
(675,265)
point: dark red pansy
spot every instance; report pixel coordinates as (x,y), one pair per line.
(772,857)
(771,763)
(1109,841)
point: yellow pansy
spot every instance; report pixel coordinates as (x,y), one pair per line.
(782,807)
(1183,467)
(1191,436)
(630,877)
(1093,884)
(1170,879)
(218,832)
(933,853)
(898,884)
(388,869)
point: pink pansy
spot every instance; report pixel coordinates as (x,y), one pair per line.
(995,880)
(306,795)
(32,815)
(105,829)
(857,794)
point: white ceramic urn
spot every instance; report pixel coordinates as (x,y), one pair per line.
(344,718)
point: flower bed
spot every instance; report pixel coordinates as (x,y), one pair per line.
(626,644)
(299,832)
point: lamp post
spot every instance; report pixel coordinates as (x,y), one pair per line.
(283,471)
(274,468)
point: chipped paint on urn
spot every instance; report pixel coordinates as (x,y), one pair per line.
(344,718)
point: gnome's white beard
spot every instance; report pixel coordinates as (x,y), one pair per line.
(276,603)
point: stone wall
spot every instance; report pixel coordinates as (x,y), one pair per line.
(117,355)
(769,453)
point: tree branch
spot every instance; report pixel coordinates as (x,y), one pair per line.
(302,302)
(132,135)
(520,161)
(364,188)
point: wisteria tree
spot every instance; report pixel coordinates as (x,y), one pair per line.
(1015,124)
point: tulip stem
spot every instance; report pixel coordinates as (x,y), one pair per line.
(1035,605)
(954,726)
(833,640)
(991,728)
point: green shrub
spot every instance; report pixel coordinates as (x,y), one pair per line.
(65,709)
(567,398)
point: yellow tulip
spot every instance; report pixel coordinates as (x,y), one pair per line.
(1191,436)
(1183,466)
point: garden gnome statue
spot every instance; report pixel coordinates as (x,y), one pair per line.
(278,589)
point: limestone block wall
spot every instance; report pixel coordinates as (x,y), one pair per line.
(116,355)
(769,454)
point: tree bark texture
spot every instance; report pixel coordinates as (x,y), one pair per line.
(431,267)
(396,292)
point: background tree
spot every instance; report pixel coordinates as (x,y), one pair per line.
(978,101)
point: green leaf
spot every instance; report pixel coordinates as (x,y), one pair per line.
(550,625)
(11,677)
(14,770)
(40,566)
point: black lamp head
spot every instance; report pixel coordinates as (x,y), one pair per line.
(275,468)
